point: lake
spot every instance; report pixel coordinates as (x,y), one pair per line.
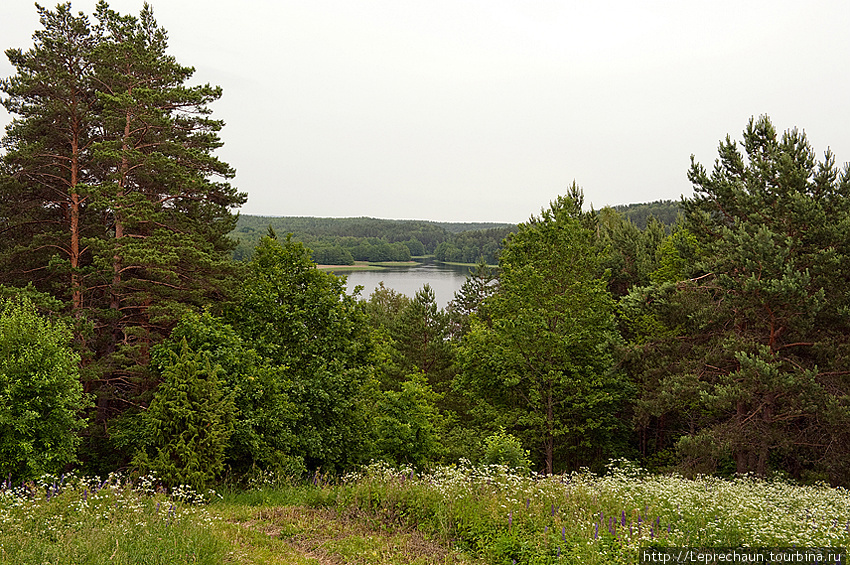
(407,279)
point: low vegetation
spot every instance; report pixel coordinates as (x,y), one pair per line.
(711,342)
(397,515)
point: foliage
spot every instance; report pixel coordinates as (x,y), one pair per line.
(335,255)
(676,256)
(582,517)
(750,356)
(407,424)
(265,416)
(631,253)
(505,449)
(94,521)
(113,200)
(542,366)
(41,397)
(371,239)
(474,246)
(471,298)
(300,318)
(188,423)
(667,212)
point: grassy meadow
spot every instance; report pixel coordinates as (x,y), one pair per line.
(384,515)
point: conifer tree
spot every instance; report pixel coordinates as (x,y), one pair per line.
(750,355)
(46,181)
(188,423)
(113,200)
(540,364)
(166,217)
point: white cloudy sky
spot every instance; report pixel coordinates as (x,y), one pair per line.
(483,110)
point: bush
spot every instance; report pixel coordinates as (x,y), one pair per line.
(505,449)
(40,393)
(188,423)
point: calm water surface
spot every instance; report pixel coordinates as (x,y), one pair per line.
(444,279)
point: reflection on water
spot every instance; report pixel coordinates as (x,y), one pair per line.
(444,279)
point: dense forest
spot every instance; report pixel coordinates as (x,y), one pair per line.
(707,336)
(341,241)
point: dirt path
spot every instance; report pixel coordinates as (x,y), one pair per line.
(326,537)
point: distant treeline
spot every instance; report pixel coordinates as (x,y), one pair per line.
(341,241)
(665,211)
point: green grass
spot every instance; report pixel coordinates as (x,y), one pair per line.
(583,518)
(457,515)
(473,265)
(364,266)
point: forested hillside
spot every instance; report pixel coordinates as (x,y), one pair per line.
(665,211)
(714,340)
(341,241)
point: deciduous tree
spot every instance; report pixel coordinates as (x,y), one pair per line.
(542,366)
(41,398)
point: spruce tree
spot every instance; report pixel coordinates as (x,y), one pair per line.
(189,422)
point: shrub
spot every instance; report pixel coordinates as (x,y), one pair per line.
(188,423)
(505,449)
(41,397)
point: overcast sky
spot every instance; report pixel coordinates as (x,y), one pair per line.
(485,110)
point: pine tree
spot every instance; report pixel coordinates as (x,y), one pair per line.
(113,200)
(750,354)
(166,217)
(47,183)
